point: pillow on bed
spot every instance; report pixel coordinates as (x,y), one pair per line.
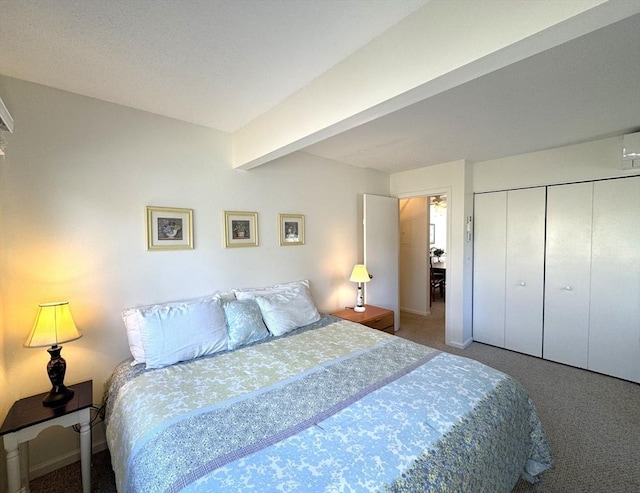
(244,293)
(198,325)
(286,310)
(244,322)
(133,320)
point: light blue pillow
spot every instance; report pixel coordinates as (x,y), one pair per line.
(244,323)
(181,331)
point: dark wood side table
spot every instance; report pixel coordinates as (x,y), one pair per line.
(28,417)
(373,316)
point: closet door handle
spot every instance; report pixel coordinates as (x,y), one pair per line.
(523,284)
(568,288)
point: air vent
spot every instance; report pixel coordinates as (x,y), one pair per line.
(631,151)
(6,122)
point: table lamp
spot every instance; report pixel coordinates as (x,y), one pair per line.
(54,324)
(359,275)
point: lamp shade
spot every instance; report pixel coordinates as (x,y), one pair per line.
(359,274)
(54,325)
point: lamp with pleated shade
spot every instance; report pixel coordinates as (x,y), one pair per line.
(54,325)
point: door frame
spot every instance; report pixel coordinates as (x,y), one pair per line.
(430,193)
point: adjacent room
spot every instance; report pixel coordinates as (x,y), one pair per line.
(306,245)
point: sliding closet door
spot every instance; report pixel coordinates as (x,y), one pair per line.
(614,336)
(524,282)
(489,254)
(568,265)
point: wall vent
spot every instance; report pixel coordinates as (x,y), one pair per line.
(6,126)
(6,122)
(631,151)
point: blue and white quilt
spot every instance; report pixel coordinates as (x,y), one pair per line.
(331,407)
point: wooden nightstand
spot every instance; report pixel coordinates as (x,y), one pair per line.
(374,317)
(28,417)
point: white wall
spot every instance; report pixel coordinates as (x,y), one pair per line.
(454,179)
(414,253)
(4,404)
(75,182)
(594,160)
(582,162)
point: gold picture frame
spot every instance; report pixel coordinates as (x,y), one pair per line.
(291,227)
(169,228)
(240,229)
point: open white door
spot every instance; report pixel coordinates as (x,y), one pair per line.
(381,252)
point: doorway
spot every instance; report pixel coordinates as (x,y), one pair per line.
(423,232)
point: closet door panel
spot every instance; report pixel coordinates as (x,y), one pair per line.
(614,336)
(567,272)
(525,270)
(490,213)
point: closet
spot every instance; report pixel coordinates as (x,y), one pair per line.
(557,273)
(592,295)
(567,296)
(508,269)
(614,315)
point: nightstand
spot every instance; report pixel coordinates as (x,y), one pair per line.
(28,417)
(374,317)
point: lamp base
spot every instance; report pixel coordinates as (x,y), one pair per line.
(359,300)
(56,369)
(58,397)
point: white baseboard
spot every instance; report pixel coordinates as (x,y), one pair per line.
(37,470)
(415,312)
(456,345)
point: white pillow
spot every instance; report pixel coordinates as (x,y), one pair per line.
(286,310)
(246,293)
(133,321)
(165,333)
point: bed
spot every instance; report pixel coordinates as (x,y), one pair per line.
(328,406)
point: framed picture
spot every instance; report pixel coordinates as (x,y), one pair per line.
(169,228)
(291,229)
(432,233)
(240,229)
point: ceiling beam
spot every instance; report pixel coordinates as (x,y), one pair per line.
(442,45)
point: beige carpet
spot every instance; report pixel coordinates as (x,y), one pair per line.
(592,421)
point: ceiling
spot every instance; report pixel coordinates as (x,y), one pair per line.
(217,63)
(583,90)
(222,63)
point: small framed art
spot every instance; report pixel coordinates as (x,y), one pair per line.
(169,228)
(291,229)
(240,229)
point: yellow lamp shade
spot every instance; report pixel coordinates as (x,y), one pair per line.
(359,274)
(54,325)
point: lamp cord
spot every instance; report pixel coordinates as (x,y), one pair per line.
(99,415)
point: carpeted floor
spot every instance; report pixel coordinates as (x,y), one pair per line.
(592,421)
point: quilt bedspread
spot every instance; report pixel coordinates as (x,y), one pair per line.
(331,407)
